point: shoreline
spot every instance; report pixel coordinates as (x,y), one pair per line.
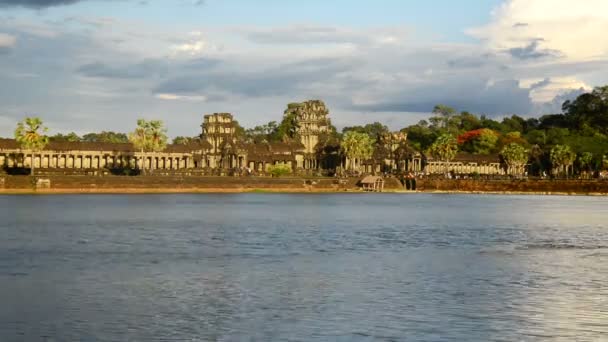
(168,191)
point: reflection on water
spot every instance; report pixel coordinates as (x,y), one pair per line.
(303,268)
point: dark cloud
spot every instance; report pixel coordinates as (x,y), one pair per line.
(145,69)
(533,51)
(475,95)
(36,3)
(281,80)
(555,106)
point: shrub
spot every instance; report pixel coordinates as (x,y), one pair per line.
(279,170)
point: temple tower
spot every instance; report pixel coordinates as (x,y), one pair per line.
(311,121)
(311,118)
(218,128)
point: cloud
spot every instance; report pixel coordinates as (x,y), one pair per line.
(574,28)
(493,98)
(308,34)
(174,97)
(6,42)
(115,68)
(36,3)
(144,69)
(280,80)
(532,51)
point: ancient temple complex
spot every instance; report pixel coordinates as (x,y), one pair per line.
(220,150)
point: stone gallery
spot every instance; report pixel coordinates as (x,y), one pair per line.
(220,150)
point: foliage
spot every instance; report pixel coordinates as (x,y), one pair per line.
(479,141)
(30,136)
(106,137)
(585,160)
(149,136)
(279,170)
(357,146)
(515,156)
(374,130)
(562,157)
(444,148)
(181,140)
(70,137)
(443,114)
(590,109)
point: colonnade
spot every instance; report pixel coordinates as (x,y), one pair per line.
(460,167)
(95,160)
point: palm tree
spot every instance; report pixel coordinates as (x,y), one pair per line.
(139,139)
(157,137)
(515,156)
(29,135)
(585,160)
(535,154)
(562,157)
(445,149)
(356,146)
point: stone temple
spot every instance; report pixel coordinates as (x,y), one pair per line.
(220,150)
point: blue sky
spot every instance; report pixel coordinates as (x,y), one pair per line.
(99,65)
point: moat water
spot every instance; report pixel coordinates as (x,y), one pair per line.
(278,267)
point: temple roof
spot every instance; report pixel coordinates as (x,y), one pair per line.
(109,147)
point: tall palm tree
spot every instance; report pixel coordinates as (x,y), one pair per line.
(585,160)
(562,157)
(30,136)
(356,146)
(139,139)
(445,149)
(157,138)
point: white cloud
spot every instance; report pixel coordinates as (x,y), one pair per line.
(174,97)
(577,29)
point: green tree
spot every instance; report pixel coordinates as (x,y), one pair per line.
(106,137)
(589,109)
(157,138)
(445,149)
(148,136)
(30,137)
(70,137)
(356,147)
(516,157)
(562,157)
(139,139)
(180,140)
(375,130)
(446,114)
(585,162)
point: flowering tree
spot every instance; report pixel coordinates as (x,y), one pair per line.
(478,141)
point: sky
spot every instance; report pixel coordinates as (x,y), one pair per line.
(93,65)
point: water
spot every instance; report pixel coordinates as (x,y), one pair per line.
(269,267)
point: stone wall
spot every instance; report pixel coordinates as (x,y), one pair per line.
(532,186)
